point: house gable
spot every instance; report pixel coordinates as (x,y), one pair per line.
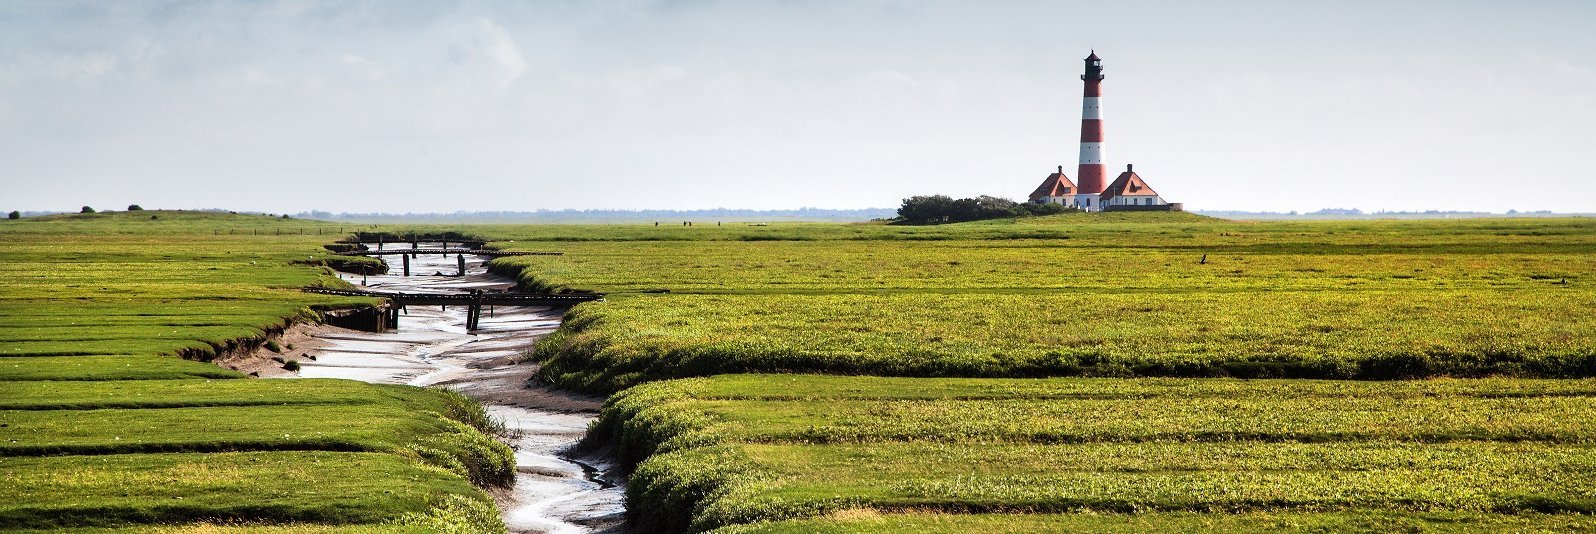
(1127,184)
(1056,185)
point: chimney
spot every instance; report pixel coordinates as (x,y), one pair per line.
(1128,167)
(1061,169)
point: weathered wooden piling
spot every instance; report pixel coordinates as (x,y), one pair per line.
(474,312)
(460,259)
(407,263)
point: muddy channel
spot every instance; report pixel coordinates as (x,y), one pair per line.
(555,491)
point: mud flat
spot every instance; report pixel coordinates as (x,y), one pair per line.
(554,490)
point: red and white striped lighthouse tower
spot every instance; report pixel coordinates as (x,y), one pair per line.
(1090,177)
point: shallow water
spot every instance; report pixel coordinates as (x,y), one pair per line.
(554,492)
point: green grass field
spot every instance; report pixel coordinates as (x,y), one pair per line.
(103,427)
(746,448)
(1175,295)
(1204,301)
(1078,373)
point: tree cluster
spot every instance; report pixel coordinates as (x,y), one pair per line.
(942,208)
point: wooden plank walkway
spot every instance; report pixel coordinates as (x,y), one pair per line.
(480,297)
(447,251)
(473,301)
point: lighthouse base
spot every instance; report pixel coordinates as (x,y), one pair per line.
(1086,201)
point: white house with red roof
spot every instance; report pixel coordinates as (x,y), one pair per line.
(1129,190)
(1056,189)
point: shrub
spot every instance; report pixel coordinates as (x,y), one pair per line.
(291,365)
(1047,209)
(14,215)
(272,345)
(135,207)
(942,208)
(86,209)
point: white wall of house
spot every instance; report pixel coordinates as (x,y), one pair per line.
(1136,200)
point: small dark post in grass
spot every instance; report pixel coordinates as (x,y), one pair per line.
(1203,261)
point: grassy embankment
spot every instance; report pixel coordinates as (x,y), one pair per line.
(1116,296)
(102,426)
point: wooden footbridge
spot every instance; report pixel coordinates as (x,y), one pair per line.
(459,253)
(446,252)
(474,301)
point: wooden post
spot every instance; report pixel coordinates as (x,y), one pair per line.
(379,241)
(407,263)
(460,259)
(474,315)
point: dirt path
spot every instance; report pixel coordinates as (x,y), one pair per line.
(554,492)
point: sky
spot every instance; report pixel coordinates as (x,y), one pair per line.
(377,106)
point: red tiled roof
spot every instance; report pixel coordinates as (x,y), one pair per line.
(1056,185)
(1128,183)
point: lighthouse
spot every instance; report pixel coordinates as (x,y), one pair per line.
(1128,192)
(1090,175)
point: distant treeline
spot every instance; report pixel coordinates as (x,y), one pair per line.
(611,215)
(943,208)
(1353,213)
